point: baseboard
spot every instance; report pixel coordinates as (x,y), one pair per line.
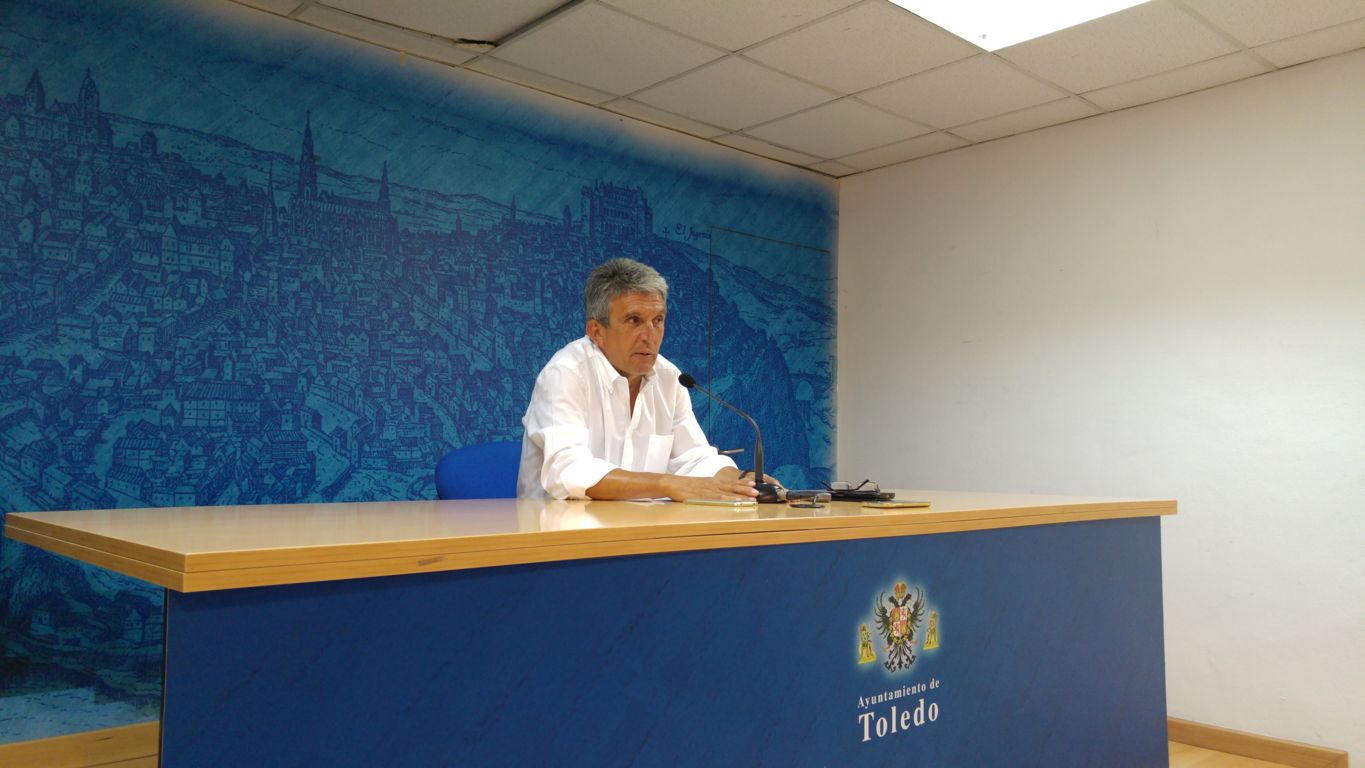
(1252,745)
(86,749)
(130,742)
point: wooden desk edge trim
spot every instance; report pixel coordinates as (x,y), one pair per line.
(87,748)
(284,566)
(97,542)
(138,569)
(337,553)
(275,575)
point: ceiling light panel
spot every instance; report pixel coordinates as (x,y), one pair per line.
(995,24)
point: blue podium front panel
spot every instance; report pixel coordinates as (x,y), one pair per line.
(1023,646)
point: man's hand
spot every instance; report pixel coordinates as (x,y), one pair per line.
(749,473)
(725,484)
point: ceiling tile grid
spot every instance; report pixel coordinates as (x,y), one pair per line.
(603,49)
(281,7)
(963,92)
(506,70)
(729,24)
(395,38)
(867,45)
(471,21)
(1027,119)
(734,93)
(838,128)
(1138,42)
(640,111)
(834,168)
(841,86)
(754,146)
(900,152)
(1195,77)
(1266,21)
(1315,45)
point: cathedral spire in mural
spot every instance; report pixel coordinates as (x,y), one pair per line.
(384,187)
(35,98)
(308,168)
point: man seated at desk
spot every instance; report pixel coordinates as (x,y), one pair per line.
(608,418)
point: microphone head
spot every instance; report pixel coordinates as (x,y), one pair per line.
(686,380)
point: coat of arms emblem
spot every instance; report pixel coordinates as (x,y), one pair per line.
(897,619)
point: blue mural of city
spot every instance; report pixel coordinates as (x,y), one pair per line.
(245,262)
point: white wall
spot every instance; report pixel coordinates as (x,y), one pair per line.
(1163,302)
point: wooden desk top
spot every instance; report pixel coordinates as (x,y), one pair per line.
(193,549)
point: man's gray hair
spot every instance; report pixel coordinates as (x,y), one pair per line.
(615,278)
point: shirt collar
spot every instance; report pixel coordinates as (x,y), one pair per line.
(608,371)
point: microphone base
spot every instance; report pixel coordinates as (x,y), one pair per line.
(767,494)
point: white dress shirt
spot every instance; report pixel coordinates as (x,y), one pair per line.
(579,426)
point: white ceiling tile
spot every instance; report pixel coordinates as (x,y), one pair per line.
(833,168)
(734,93)
(962,92)
(282,7)
(1267,20)
(1195,77)
(922,146)
(473,21)
(1138,42)
(754,146)
(729,24)
(657,116)
(416,43)
(1029,119)
(1315,45)
(867,45)
(605,50)
(539,80)
(836,129)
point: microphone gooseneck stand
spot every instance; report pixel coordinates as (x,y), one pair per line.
(767,492)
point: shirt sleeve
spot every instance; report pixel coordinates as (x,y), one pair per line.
(693,455)
(556,421)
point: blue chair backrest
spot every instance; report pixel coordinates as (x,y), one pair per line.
(479,471)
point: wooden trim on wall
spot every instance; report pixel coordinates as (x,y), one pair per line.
(1252,745)
(106,747)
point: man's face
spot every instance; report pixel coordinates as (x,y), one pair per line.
(631,338)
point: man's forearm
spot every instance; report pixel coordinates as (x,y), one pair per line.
(624,484)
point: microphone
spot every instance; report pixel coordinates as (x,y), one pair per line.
(767,492)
